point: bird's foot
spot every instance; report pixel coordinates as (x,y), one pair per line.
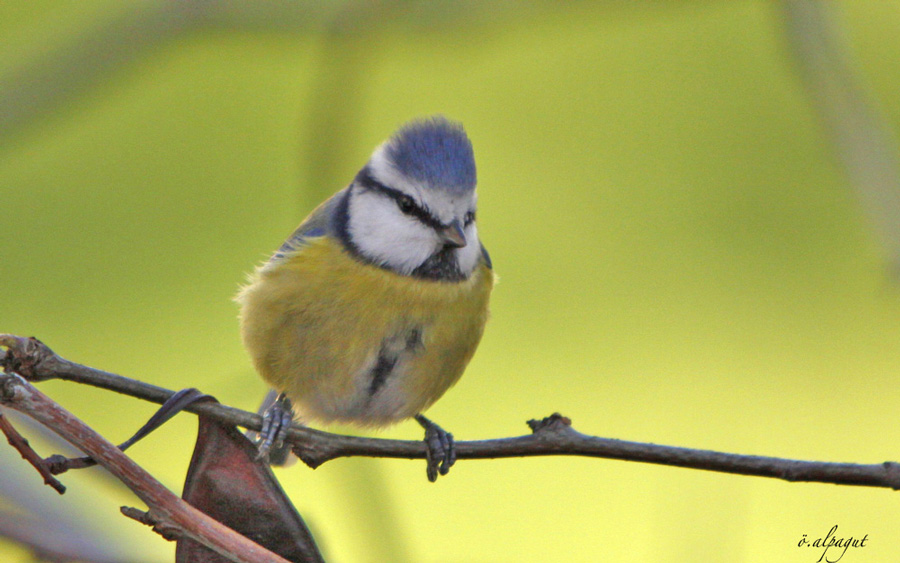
(439,447)
(277,420)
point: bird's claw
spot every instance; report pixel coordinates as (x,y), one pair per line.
(440,449)
(277,420)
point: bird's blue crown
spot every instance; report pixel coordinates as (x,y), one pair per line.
(435,152)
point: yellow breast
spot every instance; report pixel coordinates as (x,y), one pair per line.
(316,323)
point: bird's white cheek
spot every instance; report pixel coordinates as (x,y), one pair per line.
(387,236)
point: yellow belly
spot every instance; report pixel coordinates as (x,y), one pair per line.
(315,323)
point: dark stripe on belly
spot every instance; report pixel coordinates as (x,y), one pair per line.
(414,340)
(382,369)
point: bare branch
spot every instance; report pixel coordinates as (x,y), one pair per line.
(20,395)
(551,436)
(167,530)
(555,436)
(17,441)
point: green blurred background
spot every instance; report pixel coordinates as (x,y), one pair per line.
(683,258)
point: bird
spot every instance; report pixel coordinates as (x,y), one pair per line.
(372,309)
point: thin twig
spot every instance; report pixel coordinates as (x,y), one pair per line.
(555,436)
(167,530)
(551,436)
(17,441)
(18,394)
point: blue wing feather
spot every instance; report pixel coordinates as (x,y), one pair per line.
(486,257)
(319,223)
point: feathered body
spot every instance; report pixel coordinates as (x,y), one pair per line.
(376,304)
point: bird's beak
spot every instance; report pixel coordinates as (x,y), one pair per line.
(453,235)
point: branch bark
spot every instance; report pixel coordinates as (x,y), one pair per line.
(18,394)
(21,445)
(553,435)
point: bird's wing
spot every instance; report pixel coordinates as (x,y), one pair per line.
(486,258)
(319,223)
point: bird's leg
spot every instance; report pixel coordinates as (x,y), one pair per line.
(277,420)
(439,447)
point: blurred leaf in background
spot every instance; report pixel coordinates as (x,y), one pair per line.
(682,257)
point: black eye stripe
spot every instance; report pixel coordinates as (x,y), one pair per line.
(409,206)
(406,203)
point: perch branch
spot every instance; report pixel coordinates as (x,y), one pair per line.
(551,436)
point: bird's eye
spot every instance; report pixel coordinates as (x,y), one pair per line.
(469,218)
(406,204)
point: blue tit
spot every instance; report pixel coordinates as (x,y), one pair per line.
(374,306)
